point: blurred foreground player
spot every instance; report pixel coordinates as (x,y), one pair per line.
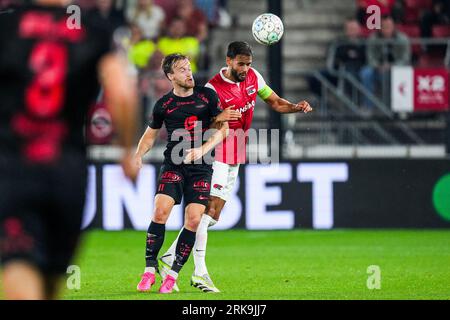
(237,86)
(187,111)
(49,76)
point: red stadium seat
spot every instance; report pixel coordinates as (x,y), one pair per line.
(412,31)
(441,31)
(411,3)
(413,8)
(427,4)
(418,4)
(411,15)
(431,61)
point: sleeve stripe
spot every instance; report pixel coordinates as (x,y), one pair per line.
(209,85)
(261,82)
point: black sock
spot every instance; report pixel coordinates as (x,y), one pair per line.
(185,243)
(155,239)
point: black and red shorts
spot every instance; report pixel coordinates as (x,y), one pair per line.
(41,211)
(192,181)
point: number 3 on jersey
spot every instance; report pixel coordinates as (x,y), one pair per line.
(45,95)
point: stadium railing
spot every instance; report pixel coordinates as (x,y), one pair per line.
(341,126)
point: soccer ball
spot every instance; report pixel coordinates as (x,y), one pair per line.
(267,29)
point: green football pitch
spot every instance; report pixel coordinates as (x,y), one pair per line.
(286,265)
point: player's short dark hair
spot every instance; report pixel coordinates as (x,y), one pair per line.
(170,60)
(239,47)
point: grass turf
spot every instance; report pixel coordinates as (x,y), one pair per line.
(278,265)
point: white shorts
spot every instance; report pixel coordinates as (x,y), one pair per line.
(223,179)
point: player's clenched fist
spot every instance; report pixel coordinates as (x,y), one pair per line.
(229,114)
(193,155)
(303,107)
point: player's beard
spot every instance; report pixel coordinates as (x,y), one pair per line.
(186,84)
(238,77)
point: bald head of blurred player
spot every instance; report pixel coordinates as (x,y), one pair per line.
(239,60)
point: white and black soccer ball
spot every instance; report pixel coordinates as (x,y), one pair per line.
(267,29)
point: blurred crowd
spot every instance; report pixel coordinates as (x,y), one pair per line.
(146,31)
(160,27)
(156,28)
(370,61)
(151,29)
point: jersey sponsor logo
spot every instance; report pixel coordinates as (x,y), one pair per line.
(217,186)
(201,186)
(183,103)
(247,107)
(200,106)
(190,123)
(202,198)
(170,177)
(228,100)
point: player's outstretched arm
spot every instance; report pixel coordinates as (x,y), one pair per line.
(121,98)
(196,153)
(145,144)
(283,106)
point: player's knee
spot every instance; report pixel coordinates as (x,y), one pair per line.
(212,212)
(192,221)
(160,215)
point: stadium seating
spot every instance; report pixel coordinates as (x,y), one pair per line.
(413,9)
(412,31)
(441,31)
(431,60)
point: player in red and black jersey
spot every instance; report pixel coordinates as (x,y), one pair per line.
(188,112)
(49,76)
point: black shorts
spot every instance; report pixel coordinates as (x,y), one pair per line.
(191,181)
(41,212)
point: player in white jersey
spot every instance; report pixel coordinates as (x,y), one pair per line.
(237,86)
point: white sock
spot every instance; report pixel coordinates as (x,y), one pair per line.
(212,222)
(173,274)
(201,239)
(169,256)
(150,269)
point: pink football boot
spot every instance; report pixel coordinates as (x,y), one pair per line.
(167,285)
(147,280)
